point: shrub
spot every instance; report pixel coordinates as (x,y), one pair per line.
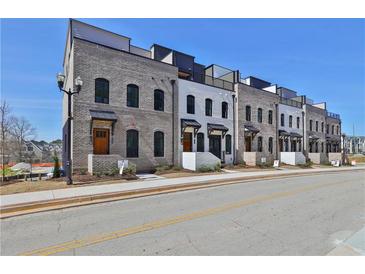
(56,169)
(217,167)
(83,171)
(114,171)
(307,164)
(131,169)
(210,168)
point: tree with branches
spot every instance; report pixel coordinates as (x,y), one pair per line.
(6,122)
(22,132)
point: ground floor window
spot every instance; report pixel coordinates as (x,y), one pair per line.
(158,144)
(132,143)
(259,144)
(200,142)
(228,144)
(286,142)
(270,145)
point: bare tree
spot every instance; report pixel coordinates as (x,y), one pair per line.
(5,129)
(22,132)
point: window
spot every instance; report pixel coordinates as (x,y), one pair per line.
(259,144)
(327,128)
(259,115)
(228,144)
(208,107)
(190,104)
(298,122)
(158,141)
(248,113)
(290,121)
(270,145)
(322,127)
(333,129)
(299,145)
(337,130)
(200,142)
(322,147)
(159,101)
(282,120)
(101,91)
(310,125)
(132,96)
(286,142)
(317,126)
(224,110)
(316,147)
(270,117)
(132,143)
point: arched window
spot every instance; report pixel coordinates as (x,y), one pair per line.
(338,130)
(298,122)
(200,142)
(228,144)
(290,121)
(190,104)
(248,113)
(270,117)
(259,144)
(159,101)
(132,143)
(158,141)
(282,120)
(259,115)
(311,125)
(270,144)
(333,129)
(208,107)
(327,128)
(132,96)
(317,126)
(224,110)
(101,91)
(322,127)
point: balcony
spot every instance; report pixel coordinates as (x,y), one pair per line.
(333,115)
(219,83)
(290,102)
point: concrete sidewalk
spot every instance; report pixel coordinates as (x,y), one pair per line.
(49,195)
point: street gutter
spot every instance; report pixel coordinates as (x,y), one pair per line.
(56,204)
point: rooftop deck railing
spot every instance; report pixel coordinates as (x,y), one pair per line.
(333,115)
(219,83)
(290,102)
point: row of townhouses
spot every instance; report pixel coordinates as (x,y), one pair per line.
(160,107)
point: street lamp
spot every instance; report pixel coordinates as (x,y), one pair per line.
(69,92)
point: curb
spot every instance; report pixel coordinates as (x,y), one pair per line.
(34,207)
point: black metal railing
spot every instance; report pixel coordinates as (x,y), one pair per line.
(290,102)
(219,83)
(333,115)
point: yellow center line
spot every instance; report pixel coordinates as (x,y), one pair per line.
(50,250)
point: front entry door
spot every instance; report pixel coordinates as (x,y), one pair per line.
(248,143)
(215,145)
(188,142)
(101,141)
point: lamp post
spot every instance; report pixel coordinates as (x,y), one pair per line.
(69,92)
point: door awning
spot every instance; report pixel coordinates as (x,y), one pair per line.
(190,123)
(284,133)
(313,138)
(185,123)
(103,115)
(295,135)
(217,127)
(252,129)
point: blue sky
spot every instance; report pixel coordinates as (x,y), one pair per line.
(321,58)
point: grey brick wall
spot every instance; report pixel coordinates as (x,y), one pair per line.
(257,98)
(92,61)
(315,114)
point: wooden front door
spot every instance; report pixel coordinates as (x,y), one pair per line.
(101,141)
(188,142)
(248,143)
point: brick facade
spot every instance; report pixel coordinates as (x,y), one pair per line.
(120,68)
(257,98)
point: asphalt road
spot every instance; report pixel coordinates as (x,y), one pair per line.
(308,215)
